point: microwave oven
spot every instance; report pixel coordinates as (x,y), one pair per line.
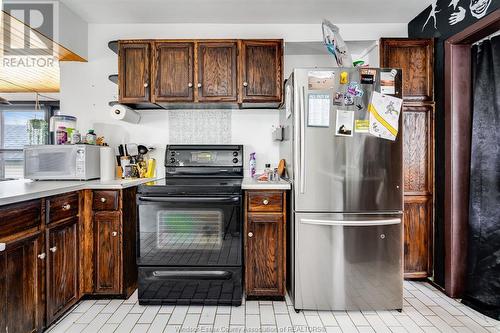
(62,162)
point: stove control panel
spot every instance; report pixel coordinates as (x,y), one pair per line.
(203,156)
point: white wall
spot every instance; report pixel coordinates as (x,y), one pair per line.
(86,90)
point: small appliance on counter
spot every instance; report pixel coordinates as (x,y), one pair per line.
(62,162)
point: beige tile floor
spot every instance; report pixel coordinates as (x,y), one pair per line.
(425,310)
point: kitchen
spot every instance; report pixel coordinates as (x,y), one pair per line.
(208,246)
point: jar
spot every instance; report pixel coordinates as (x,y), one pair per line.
(76,137)
(90,138)
(61,135)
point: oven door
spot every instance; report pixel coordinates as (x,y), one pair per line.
(189,230)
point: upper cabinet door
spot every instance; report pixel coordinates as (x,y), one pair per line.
(261,71)
(134,72)
(173,72)
(217,71)
(415,58)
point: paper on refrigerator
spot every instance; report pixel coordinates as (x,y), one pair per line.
(384,115)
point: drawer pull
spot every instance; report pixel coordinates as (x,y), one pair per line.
(66,206)
(103,200)
(245,84)
(2,247)
(114,233)
(265,202)
(42,256)
(53,249)
(250,234)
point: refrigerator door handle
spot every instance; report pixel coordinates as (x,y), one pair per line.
(358,223)
(302,166)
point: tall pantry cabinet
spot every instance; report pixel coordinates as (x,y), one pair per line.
(415,58)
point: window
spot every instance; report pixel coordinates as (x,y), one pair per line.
(19,126)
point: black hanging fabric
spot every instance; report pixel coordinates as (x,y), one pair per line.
(483,269)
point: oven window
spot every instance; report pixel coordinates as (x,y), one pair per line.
(189,229)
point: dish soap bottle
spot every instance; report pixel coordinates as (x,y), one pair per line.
(253,165)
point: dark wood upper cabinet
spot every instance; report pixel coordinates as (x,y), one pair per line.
(107,252)
(134,72)
(21,285)
(173,72)
(62,272)
(261,71)
(415,58)
(217,71)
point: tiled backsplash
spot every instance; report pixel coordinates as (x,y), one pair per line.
(199,126)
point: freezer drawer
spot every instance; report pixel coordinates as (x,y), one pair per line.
(348,262)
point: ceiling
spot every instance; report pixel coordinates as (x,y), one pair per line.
(247,11)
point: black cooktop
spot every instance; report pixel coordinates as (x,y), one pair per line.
(180,186)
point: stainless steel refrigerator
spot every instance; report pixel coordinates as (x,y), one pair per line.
(345,234)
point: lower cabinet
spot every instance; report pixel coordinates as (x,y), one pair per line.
(62,267)
(265,248)
(107,252)
(21,285)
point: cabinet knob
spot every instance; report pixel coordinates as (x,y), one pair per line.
(146,85)
(190,85)
(53,249)
(199,85)
(2,247)
(245,84)
(250,234)
(103,200)
(265,202)
(114,233)
(66,206)
(42,256)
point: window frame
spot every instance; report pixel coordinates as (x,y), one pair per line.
(48,107)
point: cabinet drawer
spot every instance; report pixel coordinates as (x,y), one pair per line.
(19,217)
(62,207)
(265,201)
(105,200)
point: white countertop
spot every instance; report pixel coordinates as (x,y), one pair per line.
(12,191)
(253,184)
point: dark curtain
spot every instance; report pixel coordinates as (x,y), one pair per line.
(483,269)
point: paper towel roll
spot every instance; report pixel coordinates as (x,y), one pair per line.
(124,113)
(108,163)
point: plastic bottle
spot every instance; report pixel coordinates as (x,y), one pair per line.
(268,172)
(76,137)
(253,165)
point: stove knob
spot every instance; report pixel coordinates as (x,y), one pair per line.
(235,160)
(172,160)
(235,153)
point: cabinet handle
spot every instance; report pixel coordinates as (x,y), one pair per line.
(66,206)
(103,200)
(146,85)
(53,249)
(199,85)
(114,233)
(190,85)
(245,84)
(265,202)
(2,247)
(42,256)
(250,234)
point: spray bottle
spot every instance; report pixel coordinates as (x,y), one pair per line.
(253,165)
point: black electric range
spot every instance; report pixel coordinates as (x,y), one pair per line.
(190,228)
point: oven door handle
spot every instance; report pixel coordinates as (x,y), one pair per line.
(234,199)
